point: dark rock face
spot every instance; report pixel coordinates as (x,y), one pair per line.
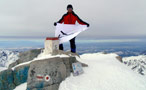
(9,79)
(56,68)
(6,80)
(52,87)
(59,52)
(26,56)
(20,74)
(119,58)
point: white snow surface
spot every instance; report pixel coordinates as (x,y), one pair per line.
(2,68)
(21,87)
(104,72)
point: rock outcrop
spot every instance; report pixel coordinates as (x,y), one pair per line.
(26,56)
(20,74)
(57,69)
(119,58)
(7,80)
(136,63)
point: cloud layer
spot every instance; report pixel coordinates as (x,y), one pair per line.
(107,18)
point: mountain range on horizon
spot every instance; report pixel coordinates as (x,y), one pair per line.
(102,62)
(139,62)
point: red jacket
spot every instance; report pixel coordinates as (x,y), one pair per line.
(71,18)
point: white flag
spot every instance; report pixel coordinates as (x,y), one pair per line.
(66,32)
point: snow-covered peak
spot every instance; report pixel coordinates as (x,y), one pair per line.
(136,63)
(104,72)
(7,57)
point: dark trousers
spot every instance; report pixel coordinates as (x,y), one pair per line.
(72,45)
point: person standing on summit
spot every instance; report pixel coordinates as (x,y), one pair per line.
(70,18)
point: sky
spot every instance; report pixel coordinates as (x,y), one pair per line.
(107,18)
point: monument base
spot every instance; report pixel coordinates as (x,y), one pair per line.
(51,45)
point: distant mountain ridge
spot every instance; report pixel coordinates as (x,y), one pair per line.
(7,57)
(107,61)
(144,52)
(136,63)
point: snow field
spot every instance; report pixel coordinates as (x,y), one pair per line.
(104,72)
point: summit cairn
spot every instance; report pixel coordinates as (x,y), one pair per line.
(42,69)
(49,72)
(51,45)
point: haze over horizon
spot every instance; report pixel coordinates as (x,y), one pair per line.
(107,19)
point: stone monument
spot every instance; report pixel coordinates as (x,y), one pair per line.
(51,45)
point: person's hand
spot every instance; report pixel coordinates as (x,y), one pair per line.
(55,23)
(88,25)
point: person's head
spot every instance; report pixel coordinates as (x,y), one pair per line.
(69,8)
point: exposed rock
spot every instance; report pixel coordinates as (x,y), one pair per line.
(52,87)
(104,52)
(20,74)
(59,52)
(119,58)
(136,63)
(26,56)
(9,79)
(6,80)
(57,68)
(84,65)
(13,64)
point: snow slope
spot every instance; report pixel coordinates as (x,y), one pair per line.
(104,72)
(21,87)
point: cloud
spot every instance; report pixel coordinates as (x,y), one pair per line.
(106,17)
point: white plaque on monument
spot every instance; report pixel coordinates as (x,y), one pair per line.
(77,69)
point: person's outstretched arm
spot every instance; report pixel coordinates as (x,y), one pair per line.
(60,21)
(80,21)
